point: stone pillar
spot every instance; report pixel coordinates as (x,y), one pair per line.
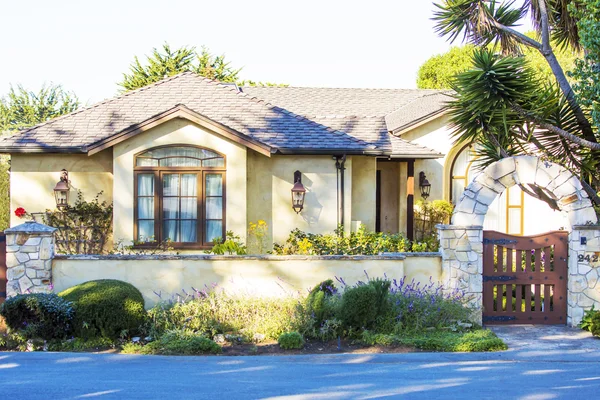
(584,270)
(29,254)
(462,262)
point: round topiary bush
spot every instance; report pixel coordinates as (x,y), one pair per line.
(38,315)
(106,308)
(291,340)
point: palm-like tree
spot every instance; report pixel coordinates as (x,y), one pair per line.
(501,105)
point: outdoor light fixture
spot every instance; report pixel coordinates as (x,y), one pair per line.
(298,192)
(424,185)
(61,190)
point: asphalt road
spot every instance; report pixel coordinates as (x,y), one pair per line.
(506,375)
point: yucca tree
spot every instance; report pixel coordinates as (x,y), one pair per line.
(501,105)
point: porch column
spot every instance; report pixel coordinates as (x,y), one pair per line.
(410,200)
(29,254)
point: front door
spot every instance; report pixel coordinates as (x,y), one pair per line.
(525,278)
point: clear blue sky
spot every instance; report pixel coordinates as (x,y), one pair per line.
(86,46)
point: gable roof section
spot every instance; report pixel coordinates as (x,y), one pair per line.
(361,113)
(258,121)
(420,110)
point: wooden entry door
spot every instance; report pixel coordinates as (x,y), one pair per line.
(525,278)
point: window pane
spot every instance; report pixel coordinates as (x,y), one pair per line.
(146,207)
(171,185)
(145,231)
(189,208)
(214,207)
(188,184)
(514,221)
(188,231)
(146,185)
(180,162)
(214,162)
(170,230)
(171,207)
(214,185)
(514,196)
(146,162)
(214,229)
(458,187)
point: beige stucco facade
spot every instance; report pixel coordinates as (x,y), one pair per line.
(33,177)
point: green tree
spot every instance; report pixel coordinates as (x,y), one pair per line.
(502,104)
(168,62)
(22,108)
(439,70)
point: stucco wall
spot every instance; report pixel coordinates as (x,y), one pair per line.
(270,181)
(259,276)
(33,177)
(178,132)
(364,184)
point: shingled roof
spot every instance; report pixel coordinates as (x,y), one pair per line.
(255,115)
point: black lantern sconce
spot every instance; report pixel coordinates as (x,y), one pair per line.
(61,190)
(298,193)
(424,185)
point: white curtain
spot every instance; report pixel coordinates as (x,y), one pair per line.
(214,206)
(145,207)
(180,207)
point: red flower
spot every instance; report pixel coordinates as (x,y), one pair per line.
(20,212)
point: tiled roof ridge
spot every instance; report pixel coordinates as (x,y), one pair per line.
(432,91)
(105,101)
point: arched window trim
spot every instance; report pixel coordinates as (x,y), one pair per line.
(158,173)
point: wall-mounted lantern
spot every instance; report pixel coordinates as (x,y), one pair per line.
(298,192)
(424,185)
(61,190)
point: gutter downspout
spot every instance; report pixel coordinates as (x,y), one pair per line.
(339,165)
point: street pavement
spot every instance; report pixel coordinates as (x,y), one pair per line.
(503,375)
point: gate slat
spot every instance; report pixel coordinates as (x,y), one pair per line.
(527,299)
(500,257)
(499,297)
(547,298)
(547,259)
(538,296)
(519,301)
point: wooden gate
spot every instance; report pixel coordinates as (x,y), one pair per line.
(2,267)
(525,278)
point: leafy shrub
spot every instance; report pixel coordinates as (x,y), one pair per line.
(38,315)
(211,312)
(106,308)
(595,328)
(317,304)
(360,242)
(79,344)
(365,303)
(176,342)
(587,321)
(416,307)
(428,214)
(231,245)
(291,340)
(475,341)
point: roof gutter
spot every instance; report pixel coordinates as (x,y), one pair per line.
(22,149)
(418,122)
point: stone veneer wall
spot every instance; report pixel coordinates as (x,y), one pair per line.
(582,287)
(462,262)
(29,254)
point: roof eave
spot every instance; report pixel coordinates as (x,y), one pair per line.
(399,131)
(21,149)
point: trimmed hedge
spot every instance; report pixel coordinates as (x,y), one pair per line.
(106,308)
(38,315)
(291,340)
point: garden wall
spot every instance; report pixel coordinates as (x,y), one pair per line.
(252,275)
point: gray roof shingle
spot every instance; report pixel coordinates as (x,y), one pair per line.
(278,118)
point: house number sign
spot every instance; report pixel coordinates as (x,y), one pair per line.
(592,258)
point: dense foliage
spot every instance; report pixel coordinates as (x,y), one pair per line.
(428,214)
(176,342)
(22,108)
(167,62)
(591,321)
(291,341)
(38,315)
(438,72)
(502,105)
(360,242)
(106,308)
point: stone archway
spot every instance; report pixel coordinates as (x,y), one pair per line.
(462,242)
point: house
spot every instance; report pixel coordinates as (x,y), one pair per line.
(188,158)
